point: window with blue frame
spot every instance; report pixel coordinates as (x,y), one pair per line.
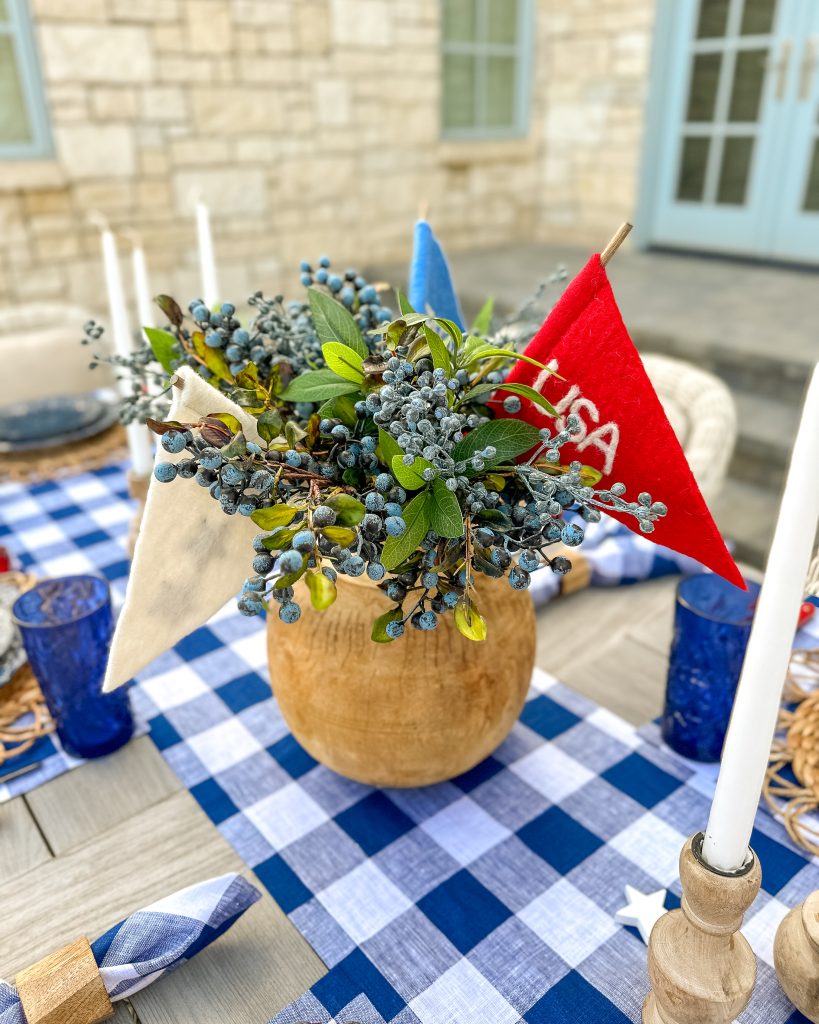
(24,129)
(485,68)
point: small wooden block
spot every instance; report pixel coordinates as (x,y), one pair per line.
(64,988)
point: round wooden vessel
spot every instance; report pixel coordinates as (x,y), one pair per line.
(413,712)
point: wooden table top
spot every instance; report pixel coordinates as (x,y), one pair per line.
(82,851)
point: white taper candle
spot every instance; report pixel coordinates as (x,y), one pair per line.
(139,441)
(756,706)
(207,261)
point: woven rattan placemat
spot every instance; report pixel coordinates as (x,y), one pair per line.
(46,463)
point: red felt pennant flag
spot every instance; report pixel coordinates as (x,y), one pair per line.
(625,433)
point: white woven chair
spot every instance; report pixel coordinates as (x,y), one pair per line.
(702,412)
(41,354)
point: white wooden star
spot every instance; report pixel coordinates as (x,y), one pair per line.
(642,910)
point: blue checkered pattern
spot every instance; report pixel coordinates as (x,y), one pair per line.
(157,939)
(487,898)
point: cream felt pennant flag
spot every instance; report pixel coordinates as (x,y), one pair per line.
(189,560)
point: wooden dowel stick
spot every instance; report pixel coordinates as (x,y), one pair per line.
(615,242)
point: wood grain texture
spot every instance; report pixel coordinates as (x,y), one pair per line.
(702,970)
(410,713)
(79,805)
(22,847)
(163,848)
(796,956)
(64,987)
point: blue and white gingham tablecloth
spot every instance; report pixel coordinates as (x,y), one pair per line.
(490,898)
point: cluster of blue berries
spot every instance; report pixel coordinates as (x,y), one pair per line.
(351,289)
(403,475)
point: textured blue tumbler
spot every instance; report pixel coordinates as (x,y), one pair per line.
(711,629)
(66,626)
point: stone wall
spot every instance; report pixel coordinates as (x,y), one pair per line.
(308,126)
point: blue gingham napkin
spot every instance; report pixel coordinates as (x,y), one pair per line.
(615,557)
(157,939)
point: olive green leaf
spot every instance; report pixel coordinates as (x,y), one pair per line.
(322,590)
(445,515)
(317,386)
(164,345)
(332,322)
(379,633)
(508,437)
(349,510)
(410,477)
(339,535)
(469,620)
(416,518)
(269,425)
(277,515)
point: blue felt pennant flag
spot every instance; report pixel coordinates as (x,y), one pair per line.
(430,282)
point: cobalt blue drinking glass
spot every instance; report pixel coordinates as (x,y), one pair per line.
(66,626)
(711,629)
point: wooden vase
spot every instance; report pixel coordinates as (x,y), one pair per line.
(413,712)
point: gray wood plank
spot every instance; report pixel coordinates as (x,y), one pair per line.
(77,806)
(22,847)
(624,676)
(165,847)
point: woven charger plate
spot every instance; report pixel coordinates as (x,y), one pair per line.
(21,695)
(65,459)
(795,799)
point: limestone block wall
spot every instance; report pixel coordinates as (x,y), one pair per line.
(308,126)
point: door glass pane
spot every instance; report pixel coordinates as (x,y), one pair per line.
(704,81)
(14,126)
(713,18)
(459,21)
(749,74)
(502,21)
(459,91)
(812,191)
(692,168)
(500,92)
(757,17)
(733,176)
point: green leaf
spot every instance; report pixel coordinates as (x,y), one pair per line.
(469,620)
(170,307)
(387,449)
(344,361)
(165,346)
(523,390)
(349,510)
(322,590)
(332,322)
(269,425)
(235,447)
(404,303)
(416,517)
(445,515)
(509,437)
(342,407)
(277,515)
(229,420)
(280,540)
(379,633)
(438,350)
(248,377)
(339,535)
(410,476)
(452,329)
(317,386)
(483,321)
(291,577)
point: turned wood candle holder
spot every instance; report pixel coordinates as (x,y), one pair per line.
(702,970)
(64,988)
(796,956)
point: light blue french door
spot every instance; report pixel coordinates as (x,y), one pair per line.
(735,152)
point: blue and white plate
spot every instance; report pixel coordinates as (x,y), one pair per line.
(48,422)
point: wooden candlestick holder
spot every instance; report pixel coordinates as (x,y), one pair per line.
(796,956)
(64,988)
(702,970)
